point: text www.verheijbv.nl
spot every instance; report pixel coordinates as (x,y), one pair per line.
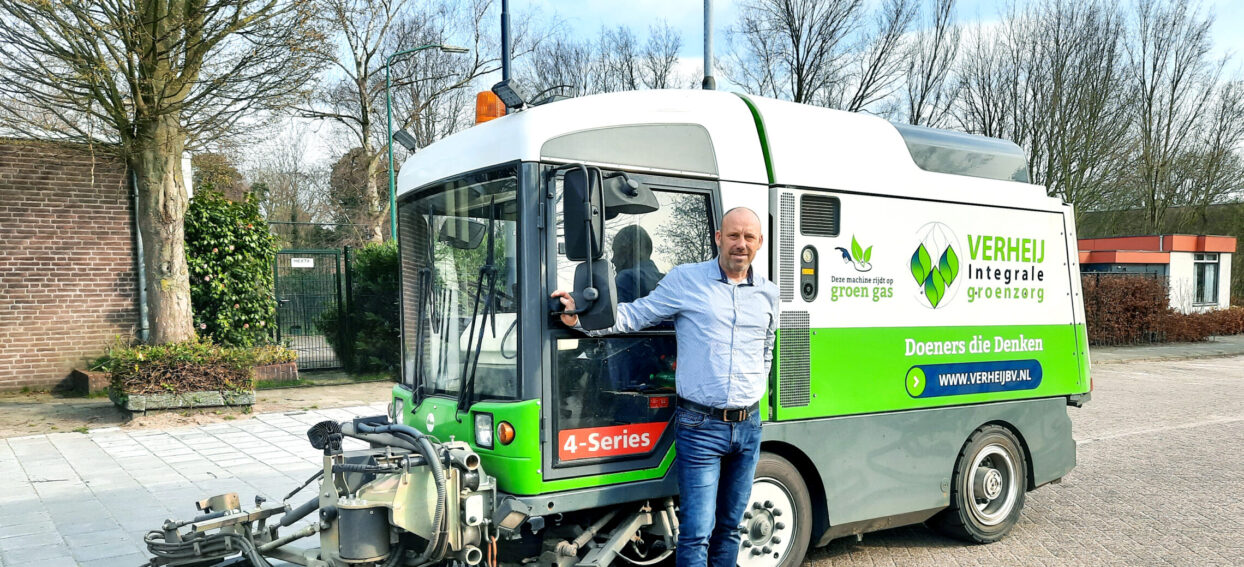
(984,377)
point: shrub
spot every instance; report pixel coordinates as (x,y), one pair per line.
(370,329)
(1124,309)
(230,253)
(189,366)
(1189,327)
(1127,309)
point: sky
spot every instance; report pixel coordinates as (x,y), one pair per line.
(687,17)
(586,17)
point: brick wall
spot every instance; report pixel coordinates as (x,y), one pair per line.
(67,274)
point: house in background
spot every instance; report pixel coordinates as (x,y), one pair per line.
(1197,267)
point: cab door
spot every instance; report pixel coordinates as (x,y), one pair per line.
(610,399)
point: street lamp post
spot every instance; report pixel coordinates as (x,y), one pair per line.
(388,110)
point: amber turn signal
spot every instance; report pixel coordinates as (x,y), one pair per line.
(488,106)
(505,433)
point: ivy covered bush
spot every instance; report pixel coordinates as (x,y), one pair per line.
(367,338)
(230,252)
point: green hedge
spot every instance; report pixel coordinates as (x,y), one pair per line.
(371,328)
(230,252)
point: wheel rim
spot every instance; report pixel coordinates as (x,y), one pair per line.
(991,485)
(769,524)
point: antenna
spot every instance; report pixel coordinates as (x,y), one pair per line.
(505,40)
(708,84)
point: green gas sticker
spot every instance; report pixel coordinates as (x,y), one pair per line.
(915,381)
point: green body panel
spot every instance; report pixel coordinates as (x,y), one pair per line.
(760,132)
(517,466)
(1082,350)
(866,370)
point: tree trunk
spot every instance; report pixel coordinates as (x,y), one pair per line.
(377,196)
(155,157)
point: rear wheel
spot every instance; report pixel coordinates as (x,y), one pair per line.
(988,489)
(778,522)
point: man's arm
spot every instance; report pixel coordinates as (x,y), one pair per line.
(661,304)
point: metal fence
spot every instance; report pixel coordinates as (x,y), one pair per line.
(308,290)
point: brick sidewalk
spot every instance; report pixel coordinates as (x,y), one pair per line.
(75,499)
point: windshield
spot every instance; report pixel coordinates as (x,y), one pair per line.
(458,244)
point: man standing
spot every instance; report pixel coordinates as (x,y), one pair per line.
(725,319)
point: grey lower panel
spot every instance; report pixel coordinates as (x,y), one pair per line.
(588,498)
(899,465)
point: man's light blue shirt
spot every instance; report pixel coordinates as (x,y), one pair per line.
(725,331)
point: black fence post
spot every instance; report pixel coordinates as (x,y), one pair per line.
(347,313)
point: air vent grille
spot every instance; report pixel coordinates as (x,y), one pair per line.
(786,247)
(794,372)
(819,215)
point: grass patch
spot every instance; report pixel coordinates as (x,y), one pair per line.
(81,430)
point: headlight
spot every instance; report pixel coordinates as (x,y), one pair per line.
(483,430)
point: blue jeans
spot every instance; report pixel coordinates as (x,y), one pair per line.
(716,461)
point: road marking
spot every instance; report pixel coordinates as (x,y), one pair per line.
(1218,421)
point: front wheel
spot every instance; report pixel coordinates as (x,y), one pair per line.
(988,489)
(778,522)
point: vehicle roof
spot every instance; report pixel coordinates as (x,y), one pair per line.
(520,136)
(807,146)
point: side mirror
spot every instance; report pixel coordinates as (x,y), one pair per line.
(624,195)
(585,221)
(594,288)
(462,233)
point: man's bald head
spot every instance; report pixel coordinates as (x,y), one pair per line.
(743,214)
(738,240)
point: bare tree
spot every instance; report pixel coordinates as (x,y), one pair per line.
(874,72)
(1049,79)
(152,76)
(1176,81)
(823,52)
(615,61)
(347,191)
(660,55)
(427,95)
(291,188)
(928,92)
(792,49)
(563,64)
(620,60)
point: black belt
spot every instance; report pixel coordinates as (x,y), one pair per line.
(724,414)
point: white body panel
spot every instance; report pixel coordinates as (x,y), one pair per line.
(893,228)
(520,136)
(832,149)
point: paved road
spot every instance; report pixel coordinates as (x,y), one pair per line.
(1160,481)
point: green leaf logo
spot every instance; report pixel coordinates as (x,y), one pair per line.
(935,287)
(920,264)
(856,251)
(949,265)
(868,254)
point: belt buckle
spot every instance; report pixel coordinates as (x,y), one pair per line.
(741,414)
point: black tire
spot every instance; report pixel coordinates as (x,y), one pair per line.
(988,487)
(786,517)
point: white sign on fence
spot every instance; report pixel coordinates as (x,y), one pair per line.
(302,262)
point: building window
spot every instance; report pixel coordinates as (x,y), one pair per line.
(1206,278)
